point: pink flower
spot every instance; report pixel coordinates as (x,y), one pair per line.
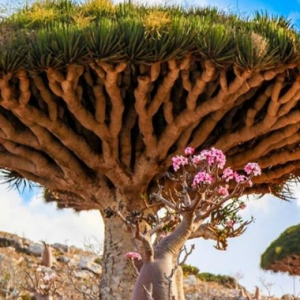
(214,156)
(207,155)
(252,168)
(178,161)
(223,190)
(197,159)
(220,158)
(133,255)
(189,151)
(228,174)
(240,178)
(230,223)
(243,206)
(202,177)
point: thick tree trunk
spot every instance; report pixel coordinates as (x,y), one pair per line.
(117,280)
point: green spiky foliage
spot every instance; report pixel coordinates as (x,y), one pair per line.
(63,32)
(283,254)
(14,180)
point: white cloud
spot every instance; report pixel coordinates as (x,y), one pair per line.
(256,205)
(39,221)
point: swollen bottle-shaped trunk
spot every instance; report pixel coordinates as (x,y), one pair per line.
(155,280)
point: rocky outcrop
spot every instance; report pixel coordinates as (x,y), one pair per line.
(30,269)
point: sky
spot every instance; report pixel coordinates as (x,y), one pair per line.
(27,215)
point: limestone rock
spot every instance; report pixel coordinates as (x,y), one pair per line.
(61,247)
(35,249)
(88,263)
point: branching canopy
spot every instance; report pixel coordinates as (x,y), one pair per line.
(283,254)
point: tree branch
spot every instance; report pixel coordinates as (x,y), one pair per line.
(43,166)
(126,149)
(268,144)
(145,119)
(238,87)
(117,109)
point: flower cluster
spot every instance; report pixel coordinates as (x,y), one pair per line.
(204,186)
(178,161)
(133,255)
(202,177)
(223,190)
(212,156)
(252,168)
(228,174)
(189,151)
(209,159)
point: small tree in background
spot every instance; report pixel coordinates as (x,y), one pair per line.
(197,192)
(283,255)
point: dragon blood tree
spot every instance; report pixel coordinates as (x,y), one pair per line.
(198,192)
(283,254)
(96,99)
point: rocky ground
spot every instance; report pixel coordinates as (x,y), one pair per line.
(74,271)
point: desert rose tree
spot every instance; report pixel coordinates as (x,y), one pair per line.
(96,99)
(199,193)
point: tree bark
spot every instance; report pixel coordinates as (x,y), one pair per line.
(157,279)
(179,283)
(153,281)
(118,279)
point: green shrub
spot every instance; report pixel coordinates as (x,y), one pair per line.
(190,270)
(224,280)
